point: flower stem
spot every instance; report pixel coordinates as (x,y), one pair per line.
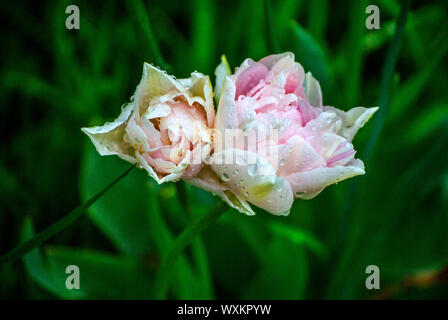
(163,274)
(57,227)
(183,198)
(199,254)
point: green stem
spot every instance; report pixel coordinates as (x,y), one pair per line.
(183,198)
(185,238)
(197,246)
(57,227)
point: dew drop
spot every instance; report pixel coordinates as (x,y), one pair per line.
(282,162)
(299,193)
(240,161)
(225,177)
(252,169)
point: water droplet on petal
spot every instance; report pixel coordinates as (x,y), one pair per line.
(282,162)
(225,177)
(240,161)
(252,169)
(299,193)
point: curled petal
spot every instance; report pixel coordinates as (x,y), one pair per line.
(227,114)
(207,180)
(253,179)
(154,83)
(307,184)
(352,120)
(221,71)
(136,136)
(201,87)
(108,138)
(272,60)
(312,90)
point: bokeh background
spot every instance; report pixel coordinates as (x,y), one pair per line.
(54,81)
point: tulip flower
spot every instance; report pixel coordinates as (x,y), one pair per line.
(299,147)
(165,129)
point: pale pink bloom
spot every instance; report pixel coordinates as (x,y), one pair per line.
(166,129)
(310,150)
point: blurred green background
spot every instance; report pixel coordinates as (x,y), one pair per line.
(54,81)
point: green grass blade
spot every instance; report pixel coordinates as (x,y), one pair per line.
(198,249)
(317,19)
(57,227)
(138,11)
(355,51)
(203,34)
(271,41)
(185,238)
(388,70)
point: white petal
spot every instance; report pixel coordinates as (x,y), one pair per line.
(254,179)
(271,60)
(158,110)
(227,115)
(202,91)
(207,180)
(154,82)
(312,90)
(108,138)
(325,144)
(308,184)
(221,71)
(352,120)
(143,164)
(136,136)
